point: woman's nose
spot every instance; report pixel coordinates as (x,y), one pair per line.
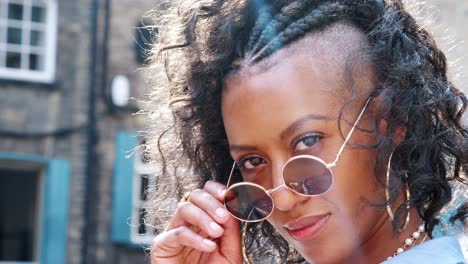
(284,198)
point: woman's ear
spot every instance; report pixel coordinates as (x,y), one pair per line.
(399,134)
(400,131)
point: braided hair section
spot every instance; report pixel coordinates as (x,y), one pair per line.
(292,28)
(264,17)
(286,16)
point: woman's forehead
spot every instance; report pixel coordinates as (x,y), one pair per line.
(329,60)
(334,47)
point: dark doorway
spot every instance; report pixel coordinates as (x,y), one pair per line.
(19,229)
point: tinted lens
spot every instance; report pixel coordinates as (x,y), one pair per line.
(307,176)
(248,202)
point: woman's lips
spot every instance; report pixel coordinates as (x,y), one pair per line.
(307,227)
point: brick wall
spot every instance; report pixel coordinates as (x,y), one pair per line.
(124,18)
(30,107)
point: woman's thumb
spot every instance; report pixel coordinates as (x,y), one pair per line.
(230,242)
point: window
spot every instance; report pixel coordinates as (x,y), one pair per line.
(144,182)
(28,30)
(133,178)
(19,207)
(33,209)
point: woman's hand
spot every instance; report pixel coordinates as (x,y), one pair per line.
(201,231)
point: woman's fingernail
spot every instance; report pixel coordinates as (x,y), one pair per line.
(215,227)
(208,244)
(222,192)
(221,212)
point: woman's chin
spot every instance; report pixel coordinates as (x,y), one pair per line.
(328,246)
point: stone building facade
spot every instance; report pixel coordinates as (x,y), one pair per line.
(66,143)
(46,133)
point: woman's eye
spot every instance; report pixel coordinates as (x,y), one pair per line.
(251,162)
(306,142)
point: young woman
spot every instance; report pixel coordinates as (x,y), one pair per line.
(327,129)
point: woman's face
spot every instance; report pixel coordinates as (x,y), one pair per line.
(288,105)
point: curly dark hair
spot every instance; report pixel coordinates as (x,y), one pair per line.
(201,43)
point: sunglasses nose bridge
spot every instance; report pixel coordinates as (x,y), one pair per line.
(283,198)
(278,178)
(271,191)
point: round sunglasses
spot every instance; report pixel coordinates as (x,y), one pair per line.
(305,175)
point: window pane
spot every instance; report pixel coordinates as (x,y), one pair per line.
(14,35)
(37,38)
(18,208)
(36,62)
(141,222)
(38,14)
(13,60)
(15,11)
(144,187)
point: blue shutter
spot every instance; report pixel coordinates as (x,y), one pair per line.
(55,212)
(122,199)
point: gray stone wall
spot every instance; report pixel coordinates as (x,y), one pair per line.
(32,108)
(73,81)
(124,18)
(29,107)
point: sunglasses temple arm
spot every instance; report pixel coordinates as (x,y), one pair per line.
(350,134)
(230,174)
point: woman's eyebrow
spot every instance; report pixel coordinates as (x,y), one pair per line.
(238,148)
(292,127)
(284,134)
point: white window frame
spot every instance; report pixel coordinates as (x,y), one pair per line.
(141,168)
(47,75)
